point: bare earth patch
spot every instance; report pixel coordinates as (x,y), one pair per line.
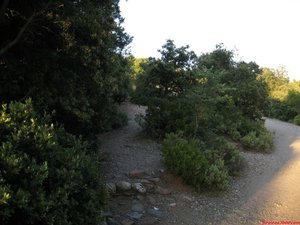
(268,189)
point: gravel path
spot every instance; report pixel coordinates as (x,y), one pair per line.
(128,148)
(268,190)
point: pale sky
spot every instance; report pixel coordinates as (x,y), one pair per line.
(264,31)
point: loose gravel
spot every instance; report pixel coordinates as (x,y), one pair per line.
(267,190)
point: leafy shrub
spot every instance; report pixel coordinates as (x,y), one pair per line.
(222,150)
(297,120)
(186,159)
(70,61)
(217,175)
(281,110)
(261,140)
(165,115)
(206,98)
(47,176)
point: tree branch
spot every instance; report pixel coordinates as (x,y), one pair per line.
(3,8)
(18,37)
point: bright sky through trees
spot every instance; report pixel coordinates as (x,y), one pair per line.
(264,31)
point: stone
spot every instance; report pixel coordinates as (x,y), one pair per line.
(123,186)
(155,180)
(135,216)
(172,204)
(137,207)
(111,187)
(136,174)
(127,222)
(149,186)
(187,198)
(145,181)
(139,188)
(162,191)
(156,213)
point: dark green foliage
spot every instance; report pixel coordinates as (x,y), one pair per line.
(281,110)
(293,99)
(167,77)
(284,96)
(186,159)
(259,140)
(297,120)
(69,60)
(202,97)
(218,148)
(47,176)
(207,99)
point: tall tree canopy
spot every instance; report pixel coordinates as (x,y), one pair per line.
(67,56)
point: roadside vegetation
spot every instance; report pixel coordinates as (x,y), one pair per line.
(65,67)
(284,95)
(63,71)
(203,107)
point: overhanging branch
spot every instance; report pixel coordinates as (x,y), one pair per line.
(3,8)
(18,37)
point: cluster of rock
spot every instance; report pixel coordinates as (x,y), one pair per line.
(138,189)
(140,183)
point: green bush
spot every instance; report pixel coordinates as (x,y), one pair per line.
(47,176)
(207,98)
(297,120)
(186,159)
(217,175)
(221,149)
(260,140)
(281,110)
(70,60)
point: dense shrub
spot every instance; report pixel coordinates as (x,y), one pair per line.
(70,60)
(200,168)
(281,110)
(47,176)
(207,98)
(297,120)
(221,149)
(260,140)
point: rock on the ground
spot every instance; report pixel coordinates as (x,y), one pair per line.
(156,213)
(162,191)
(155,180)
(111,187)
(135,216)
(136,174)
(123,186)
(139,188)
(137,207)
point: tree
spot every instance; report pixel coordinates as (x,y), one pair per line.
(277,82)
(69,59)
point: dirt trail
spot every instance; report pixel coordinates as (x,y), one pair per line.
(268,190)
